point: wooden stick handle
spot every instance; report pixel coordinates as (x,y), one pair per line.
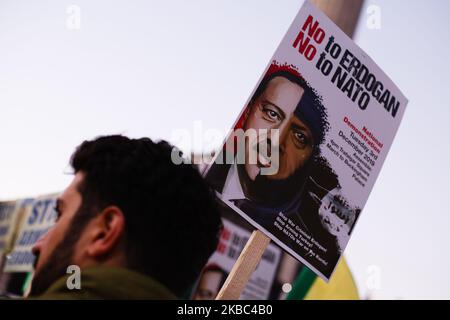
(243,268)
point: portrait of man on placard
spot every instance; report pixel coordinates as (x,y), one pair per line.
(211,280)
(276,162)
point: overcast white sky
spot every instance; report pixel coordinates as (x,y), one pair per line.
(145,68)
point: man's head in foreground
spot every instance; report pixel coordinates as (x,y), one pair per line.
(129,206)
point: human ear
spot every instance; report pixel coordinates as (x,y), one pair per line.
(107,232)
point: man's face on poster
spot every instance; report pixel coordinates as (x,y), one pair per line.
(274,109)
(209,285)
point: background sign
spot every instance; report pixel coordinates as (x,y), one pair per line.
(232,240)
(39,217)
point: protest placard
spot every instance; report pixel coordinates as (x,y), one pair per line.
(39,217)
(310,142)
(232,240)
(8,217)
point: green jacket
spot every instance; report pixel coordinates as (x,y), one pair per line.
(108,283)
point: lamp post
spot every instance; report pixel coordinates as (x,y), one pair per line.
(344,13)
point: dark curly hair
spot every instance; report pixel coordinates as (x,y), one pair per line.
(172,221)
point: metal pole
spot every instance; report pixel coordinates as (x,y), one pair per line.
(344,13)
